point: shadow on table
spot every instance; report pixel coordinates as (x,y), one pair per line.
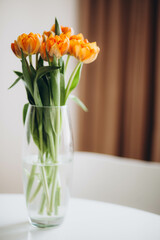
(24,231)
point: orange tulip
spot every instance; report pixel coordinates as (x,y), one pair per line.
(48,34)
(66,30)
(30,43)
(58,45)
(43,52)
(75,40)
(77,37)
(16,49)
(83,50)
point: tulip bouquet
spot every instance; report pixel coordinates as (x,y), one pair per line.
(46,85)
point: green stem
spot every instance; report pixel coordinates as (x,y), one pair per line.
(54,156)
(66,65)
(30,59)
(51,144)
(57,199)
(44,178)
(30,183)
(42,204)
(36,192)
(58,194)
(53,190)
(46,190)
(43,197)
(36,60)
(55,176)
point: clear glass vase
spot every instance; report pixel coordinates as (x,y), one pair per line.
(47,164)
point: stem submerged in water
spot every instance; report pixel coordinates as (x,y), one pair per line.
(30,182)
(48,127)
(44,178)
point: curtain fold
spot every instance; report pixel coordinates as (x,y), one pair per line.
(121,88)
(155,143)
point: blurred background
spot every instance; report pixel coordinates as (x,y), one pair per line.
(121,88)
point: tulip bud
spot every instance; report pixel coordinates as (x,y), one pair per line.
(68,31)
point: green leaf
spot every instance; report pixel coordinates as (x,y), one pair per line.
(61,64)
(43,70)
(32,71)
(49,122)
(15,82)
(79,102)
(43,91)
(57,27)
(28,125)
(25,109)
(20,76)
(40,62)
(28,131)
(30,98)
(74,79)
(40,72)
(48,80)
(37,97)
(55,87)
(27,74)
(18,73)
(62,87)
(34,126)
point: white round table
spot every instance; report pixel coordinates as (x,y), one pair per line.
(85,220)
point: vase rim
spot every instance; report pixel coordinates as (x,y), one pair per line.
(51,106)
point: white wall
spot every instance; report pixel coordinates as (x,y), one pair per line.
(17,17)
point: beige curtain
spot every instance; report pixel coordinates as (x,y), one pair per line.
(122,87)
